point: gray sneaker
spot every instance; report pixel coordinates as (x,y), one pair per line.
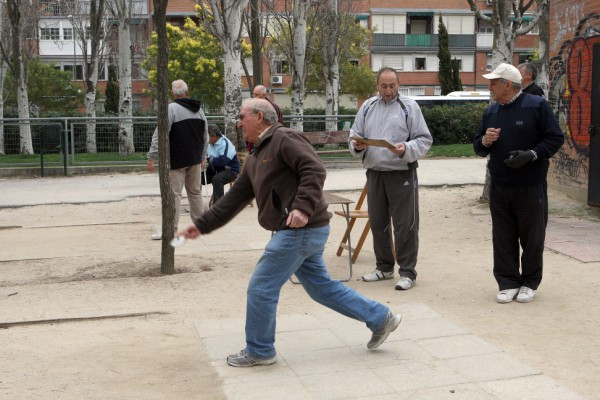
(405,283)
(377,275)
(391,323)
(242,359)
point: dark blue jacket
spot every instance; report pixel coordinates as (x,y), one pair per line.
(528,123)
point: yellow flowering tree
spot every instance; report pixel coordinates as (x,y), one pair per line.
(194,56)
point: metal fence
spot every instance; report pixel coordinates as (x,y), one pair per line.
(62,141)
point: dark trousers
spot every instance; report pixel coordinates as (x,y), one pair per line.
(519,216)
(393,199)
(219,180)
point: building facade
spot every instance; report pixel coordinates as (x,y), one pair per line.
(575,97)
(405,37)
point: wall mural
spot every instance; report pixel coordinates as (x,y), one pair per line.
(570,96)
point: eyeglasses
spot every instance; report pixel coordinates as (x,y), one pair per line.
(242,116)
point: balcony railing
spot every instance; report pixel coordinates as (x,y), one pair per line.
(402,40)
(419,40)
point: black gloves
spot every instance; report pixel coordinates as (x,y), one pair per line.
(518,158)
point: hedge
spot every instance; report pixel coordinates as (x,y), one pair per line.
(453,124)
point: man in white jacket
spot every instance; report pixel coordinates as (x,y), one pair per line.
(392,183)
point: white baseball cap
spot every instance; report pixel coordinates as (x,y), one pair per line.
(505,71)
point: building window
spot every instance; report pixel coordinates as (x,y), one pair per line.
(280,67)
(88,33)
(459,62)
(419,25)
(50,34)
(137,72)
(420,63)
(525,23)
(485,27)
(525,57)
(67,33)
(488,63)
(393,61)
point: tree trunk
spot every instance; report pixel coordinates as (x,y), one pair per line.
(91,62)
(256,41)
(3,69)
(299,67)
(233,91)
(331,65)
(125,96)
(90,108)
(226,24)
(543,79)
(167,260)
(19,68)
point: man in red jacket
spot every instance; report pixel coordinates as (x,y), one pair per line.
(286,177)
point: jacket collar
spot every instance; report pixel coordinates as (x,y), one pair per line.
(269,132)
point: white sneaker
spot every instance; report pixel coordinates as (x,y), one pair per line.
(506,295)
(405,283)
(525,294)
(378,275)
(156,236)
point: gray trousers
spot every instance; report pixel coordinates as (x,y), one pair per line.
(190,178)
(393,199)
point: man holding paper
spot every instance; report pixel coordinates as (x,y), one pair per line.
(390,135)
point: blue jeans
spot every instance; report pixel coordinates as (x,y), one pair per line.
(300,252)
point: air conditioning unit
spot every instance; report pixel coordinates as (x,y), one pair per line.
(489,2)
(277,80)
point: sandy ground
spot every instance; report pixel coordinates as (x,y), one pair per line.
(95,260)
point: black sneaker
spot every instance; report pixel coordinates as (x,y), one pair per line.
(242,359)
(391,323)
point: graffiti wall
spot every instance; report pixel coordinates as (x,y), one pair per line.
(575,28)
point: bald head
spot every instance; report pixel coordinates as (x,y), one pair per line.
(260,92)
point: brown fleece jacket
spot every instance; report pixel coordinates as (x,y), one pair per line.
(283,173)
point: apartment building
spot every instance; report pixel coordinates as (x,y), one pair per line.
(405,37)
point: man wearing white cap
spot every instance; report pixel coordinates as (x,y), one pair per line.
(520,133)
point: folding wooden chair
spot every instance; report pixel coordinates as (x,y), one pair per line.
(354,215)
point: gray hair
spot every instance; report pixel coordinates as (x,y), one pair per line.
(514,84)
(529,69)
(263,106)
(179,87)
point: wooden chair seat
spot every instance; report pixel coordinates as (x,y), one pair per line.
(354,213)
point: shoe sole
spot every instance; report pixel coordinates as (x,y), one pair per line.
(385,278)
(377,280)
(256,364)
(383,338)
(529,300)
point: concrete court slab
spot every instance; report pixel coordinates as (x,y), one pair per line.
(320,356)
(574,237)
(18,192)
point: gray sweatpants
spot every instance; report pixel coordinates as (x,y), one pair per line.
(393,199)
